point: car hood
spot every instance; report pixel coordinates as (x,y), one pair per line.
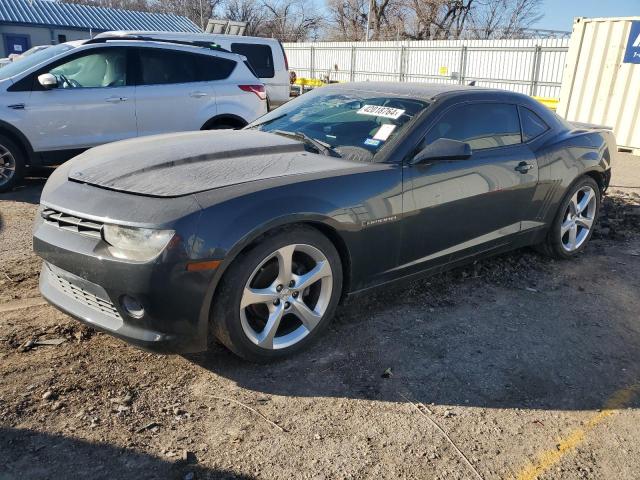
(185,163)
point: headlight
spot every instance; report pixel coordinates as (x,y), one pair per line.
(131,243)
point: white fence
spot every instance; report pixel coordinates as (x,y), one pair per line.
(531,66)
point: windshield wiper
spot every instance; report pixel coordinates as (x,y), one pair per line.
(319,145)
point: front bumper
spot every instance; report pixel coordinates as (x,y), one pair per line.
(91,304)
(80,279)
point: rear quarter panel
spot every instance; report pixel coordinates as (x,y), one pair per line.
(563,159)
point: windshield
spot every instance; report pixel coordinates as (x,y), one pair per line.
(354,125)
(33,50)
(25,63)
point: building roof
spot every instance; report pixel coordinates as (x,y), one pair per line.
(52,13)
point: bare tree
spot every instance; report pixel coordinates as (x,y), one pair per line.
(198,11)
(505,18)
(440,19)
(248,11)
(291,20)
(347,19)
(431,19)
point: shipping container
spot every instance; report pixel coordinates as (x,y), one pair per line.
(601,82)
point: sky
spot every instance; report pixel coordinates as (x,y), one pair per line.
(559,14)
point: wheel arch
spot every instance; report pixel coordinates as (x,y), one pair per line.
(321,224)
(227,119)
(18,137)
(601,178)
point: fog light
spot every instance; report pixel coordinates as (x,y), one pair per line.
(132,306)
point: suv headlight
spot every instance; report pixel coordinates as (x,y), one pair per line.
(132,243)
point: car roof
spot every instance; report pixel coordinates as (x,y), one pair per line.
(425,91)
(185,36)
(159,42)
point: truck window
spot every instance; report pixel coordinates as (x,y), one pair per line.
(259,56)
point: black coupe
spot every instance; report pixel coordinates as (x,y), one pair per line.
(254,236)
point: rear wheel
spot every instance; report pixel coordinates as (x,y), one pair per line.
(277,297)
(573,226)
(11,164)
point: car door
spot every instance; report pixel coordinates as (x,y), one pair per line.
(174,90)
(454,209)
(92,104)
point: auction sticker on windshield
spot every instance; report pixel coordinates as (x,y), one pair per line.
(379,111)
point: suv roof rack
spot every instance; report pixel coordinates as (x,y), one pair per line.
(191,43)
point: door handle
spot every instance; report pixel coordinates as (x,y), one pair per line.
(116,99)
(198,94)
(524,167)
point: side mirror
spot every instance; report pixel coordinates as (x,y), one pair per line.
(48,80)
(443,149)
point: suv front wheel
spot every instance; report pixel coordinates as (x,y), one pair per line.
(11,164)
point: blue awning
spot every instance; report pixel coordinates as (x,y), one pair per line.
(55,14)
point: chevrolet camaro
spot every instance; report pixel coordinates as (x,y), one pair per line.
(253,237)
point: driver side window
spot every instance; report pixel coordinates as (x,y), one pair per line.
(481,125)
(98,69)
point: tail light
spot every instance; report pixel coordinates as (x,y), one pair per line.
(259,90)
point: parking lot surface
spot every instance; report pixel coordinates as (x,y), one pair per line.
(514,367)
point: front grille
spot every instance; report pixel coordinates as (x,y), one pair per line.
(84,297)
(72,223)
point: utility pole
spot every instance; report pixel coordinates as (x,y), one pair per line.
(368,20)
(201,16)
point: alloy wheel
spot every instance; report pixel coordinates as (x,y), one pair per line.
(286,296)
(7,165)
(578,218)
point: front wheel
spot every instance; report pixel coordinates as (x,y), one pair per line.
(278,296)
(11,164)
(573,226)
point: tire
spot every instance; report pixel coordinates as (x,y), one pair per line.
(12,164)
(577,213)
(240,317)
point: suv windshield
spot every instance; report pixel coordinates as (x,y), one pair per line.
(354,125)
(25,63)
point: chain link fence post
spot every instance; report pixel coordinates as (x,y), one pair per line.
(535,73)
(352,68)
(401,73)
(463,65)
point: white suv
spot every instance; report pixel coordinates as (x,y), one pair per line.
(76,95)
(265,55)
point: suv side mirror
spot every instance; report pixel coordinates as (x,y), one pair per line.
(443,149)
(48,80)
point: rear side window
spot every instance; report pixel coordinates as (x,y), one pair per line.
(159,67)
(532,125)
(259,56)
(214,68)
(481,125)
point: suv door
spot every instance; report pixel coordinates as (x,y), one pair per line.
(92,104)
(455,209)
(176,90)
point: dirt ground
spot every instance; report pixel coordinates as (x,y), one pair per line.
(515,367)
